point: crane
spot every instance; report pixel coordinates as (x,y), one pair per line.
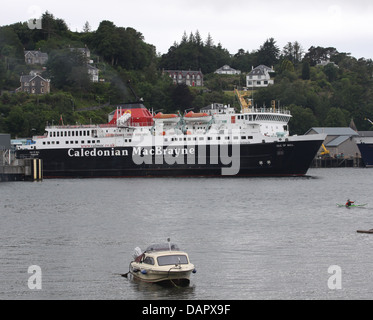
(245,106)
(325,152)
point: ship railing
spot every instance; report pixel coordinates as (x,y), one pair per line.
(269,110)
(72,126)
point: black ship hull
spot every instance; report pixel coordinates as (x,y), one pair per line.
(366,150)
(291,158)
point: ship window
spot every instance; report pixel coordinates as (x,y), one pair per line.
(76,142)
(54,133)
(58,133)
(48,142)
(44,142)
(80,132)
(82,141)
(67,142)
(57,142)
(72,133)
(243,137)
(250,137)
(89,141)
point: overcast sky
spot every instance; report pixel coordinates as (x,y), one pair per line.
(346,25)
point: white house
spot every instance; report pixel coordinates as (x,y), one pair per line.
(93,73)
(259,77)
(227,70)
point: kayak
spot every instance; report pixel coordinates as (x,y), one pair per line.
(353,205)
(365,231)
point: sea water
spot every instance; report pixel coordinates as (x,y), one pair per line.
(249,238)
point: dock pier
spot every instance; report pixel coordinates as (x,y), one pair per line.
(21,170)
(329,162)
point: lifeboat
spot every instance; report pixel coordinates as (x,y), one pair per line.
(166,118)
(197,117)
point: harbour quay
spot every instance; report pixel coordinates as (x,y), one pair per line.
(12,169)
(337,162)
(22,170)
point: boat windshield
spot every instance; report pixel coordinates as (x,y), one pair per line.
(172,260)
(163,247)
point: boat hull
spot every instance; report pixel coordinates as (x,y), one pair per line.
(171,277)
(366,150)
(286,158)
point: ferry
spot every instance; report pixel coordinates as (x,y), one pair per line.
(217,141)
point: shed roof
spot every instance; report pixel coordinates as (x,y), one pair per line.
(337,141)
(337,131)
(365,133)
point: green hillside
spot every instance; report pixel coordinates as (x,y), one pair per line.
(329,95)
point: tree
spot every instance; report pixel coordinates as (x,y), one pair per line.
(268,54)
(68,69)
(209,41)
(106,41)
(331,72)
(316,55)
(86,27)
(286,65)
(302,119)
(306,74)
(293,52)
(336,118)
(181,97)
(52,26)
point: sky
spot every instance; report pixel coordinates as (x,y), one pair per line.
(346,25)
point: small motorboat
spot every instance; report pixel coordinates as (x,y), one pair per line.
(162,264)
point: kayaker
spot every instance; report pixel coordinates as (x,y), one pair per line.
(349,203)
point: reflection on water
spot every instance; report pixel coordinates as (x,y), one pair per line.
(153,291)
